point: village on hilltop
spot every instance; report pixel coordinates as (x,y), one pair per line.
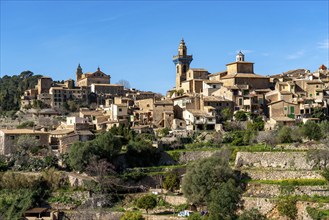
(198,102)
(231,145)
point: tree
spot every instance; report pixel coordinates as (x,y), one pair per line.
(312,130)
(267,137)
(99,168)
(252,214)
(226,114)
(147,202)
(107,145)
(284,134)
(240,116)
(224,201)
(319,113)
(132,216)
(125,83)
(204,175)
(171,181)
(26,142)
(80,154)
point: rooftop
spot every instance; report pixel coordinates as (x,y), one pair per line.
(22,131)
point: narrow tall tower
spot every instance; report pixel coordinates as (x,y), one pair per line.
(79,73)
(182,62)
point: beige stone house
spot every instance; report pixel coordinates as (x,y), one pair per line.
(163,114)
(9,137)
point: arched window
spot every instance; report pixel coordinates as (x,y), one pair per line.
(184,69)
(177,69)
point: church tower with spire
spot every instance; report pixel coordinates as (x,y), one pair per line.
(79,73)
(182,62)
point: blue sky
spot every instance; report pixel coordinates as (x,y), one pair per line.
(135,40)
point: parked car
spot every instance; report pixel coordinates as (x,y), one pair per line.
(185,213)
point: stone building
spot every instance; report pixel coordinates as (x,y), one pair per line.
(110,89)
(86,79)
(163,114)
(9,137)
(242,73)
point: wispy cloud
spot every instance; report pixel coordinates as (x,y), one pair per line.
(296,55)
(324,44)
(245,51)
(265,54)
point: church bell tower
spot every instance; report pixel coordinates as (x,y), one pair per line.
(182,62)
(79,73)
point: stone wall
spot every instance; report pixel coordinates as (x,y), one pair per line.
(189,156)
(301,146)
(280,160)
(282,174)
(271,190)
(268,207)
(264,205)
(175,200)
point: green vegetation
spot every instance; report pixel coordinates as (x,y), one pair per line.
(252,214)
(104,146)
(212,182)
(147,202)
(12,87)
(287,207)
(20,192)
(325,174)
(293,182)
(26,124)
(195,216)
(317,214)
(240,116)
(171,181)
(312,130)
(132,216)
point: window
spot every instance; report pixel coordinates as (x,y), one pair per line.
(214,86)
(12,137)
(317,94)
(37,137)
(197,118)
(120,109)
(310,95)
(240,101)
(148,105)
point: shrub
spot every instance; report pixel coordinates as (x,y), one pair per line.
(325,174)
(132,216)
(284,135)
(252,214)
(240,116)
(287,207)
(312,130)
(147,202)
(195,216)
(171,181)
